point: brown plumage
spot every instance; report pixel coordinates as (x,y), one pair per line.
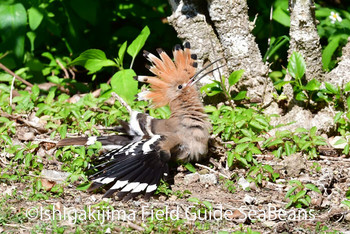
(142,151)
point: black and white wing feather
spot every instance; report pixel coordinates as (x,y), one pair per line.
(133,169)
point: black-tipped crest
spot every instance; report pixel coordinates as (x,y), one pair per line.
(177,47)
(194,56)
(145,53)
(187,45)
(195,64)
(159,50)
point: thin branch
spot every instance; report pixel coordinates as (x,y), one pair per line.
(335,158)
(2,66)
(122,102)
(212,170)
(12,85)
(66,74)
(136,227)
(26,122)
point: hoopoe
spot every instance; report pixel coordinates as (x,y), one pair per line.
(145,146)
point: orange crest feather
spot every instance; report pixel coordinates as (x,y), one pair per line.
(168,73)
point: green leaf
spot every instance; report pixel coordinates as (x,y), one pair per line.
(281,16)
(212,89)
(31,36)
(124,85)
(230,157)
(312,187)
(279,84)
(83,186)
(121,52)
(235,76)
(193,199)
(240,96)
(93,60)
(304,201)
(190,167)
(312,85)
(340,141)
(296,65)
(35,18)
(35,92)
(276,45)
(135,46)
(301,96)
(331,88)
(347,87)
(13,21)
(256,124)
(313,131)
(268,168)
(299,195)
(209,109)
(208,205)
(287,148)
(328,52)
(241,147)
(346,202)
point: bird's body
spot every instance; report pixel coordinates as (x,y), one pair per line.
(145,145)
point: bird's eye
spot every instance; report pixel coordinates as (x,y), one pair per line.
(179,87)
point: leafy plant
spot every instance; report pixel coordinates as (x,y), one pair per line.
(297,195)
(218,87)
(259,172)
(288,143)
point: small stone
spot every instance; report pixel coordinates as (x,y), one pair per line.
(294,164)
(248,200)
(269,224)
(333,142)
(208,179)
(244,183)
(93,198)
(27,136)
(347,217)
(52,175)
(47,185)
(191,178)
(108,230)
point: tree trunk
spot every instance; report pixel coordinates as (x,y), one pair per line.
(221,28)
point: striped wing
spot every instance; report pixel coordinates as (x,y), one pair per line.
(133,169)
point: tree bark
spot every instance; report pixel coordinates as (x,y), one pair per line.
(190,23)
(304,37)
(222,29)
(339,76)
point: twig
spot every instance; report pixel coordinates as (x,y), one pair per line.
(4,55)
(26,122)
(136,227)
(212,170)
(2,66)
(12,84)
(72,72)
(335,158)
(66,74)
(122,102)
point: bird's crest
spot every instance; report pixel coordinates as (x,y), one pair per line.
(168,73)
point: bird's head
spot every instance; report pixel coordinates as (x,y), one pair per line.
(172,78)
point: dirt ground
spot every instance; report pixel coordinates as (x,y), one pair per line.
(211,207)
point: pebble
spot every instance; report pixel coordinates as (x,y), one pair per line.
(208,179)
